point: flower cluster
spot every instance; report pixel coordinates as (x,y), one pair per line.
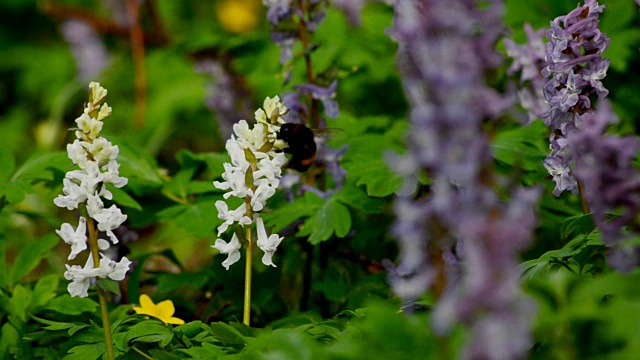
(225,93)
(529,60)
(282,17)
(253,175)
(457,236)
(85,188)
(574,71)
(604,166)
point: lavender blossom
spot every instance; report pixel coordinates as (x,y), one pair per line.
(529,60)
(574,71)
(90,53)
(285,17)
(604,165)
(225,94)
(352,9)
(326,95)
(445,48)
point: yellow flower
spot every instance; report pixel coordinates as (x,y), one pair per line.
(238,16)
(163,310)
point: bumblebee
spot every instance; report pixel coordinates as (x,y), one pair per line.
(302,145)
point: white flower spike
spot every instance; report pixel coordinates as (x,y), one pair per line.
(252,175)
(84,187)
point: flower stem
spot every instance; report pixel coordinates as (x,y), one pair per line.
(106,325)
(583,199)
(247,277)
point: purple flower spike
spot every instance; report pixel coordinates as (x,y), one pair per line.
(445,49)
(574,71)
(278,10)
(604,164)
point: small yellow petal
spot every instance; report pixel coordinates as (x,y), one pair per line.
(174,320)
(138,310)
(165,309)
(145,302)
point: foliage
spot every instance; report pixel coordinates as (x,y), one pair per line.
(329,297)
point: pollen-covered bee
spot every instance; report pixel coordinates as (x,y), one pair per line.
(302,145)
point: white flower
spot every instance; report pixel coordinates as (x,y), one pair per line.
(96,92)
(114,270)
(73,195)
(89,125)
(77,153)
(261,195)
(112,175)
(232,249)
(251,149)
(105,111)
(270,168)
(229,217)
(110,219)
(76,238)
(267,244)
(274,106)
(97,166)
(80,277)
(235,181)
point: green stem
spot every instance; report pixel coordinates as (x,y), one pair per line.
(141,353)
(106,325)
(583,199)
(247,277)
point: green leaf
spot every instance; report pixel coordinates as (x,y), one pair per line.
(19,302)
(226,334)
(15,191)
(65,304)
(121,197)
(199,218)
(168,282)
(213,161)
(86,352)
(54,325)
(31,255)
(577,224)
(138,166)
(206,351)
(39,166)
(287,213)
(149,331)
(10,339)
(110,285)
(191,329)
(522,147)
(178,186)
(133,285)
(44,290)
(374,174)
(333,217)
(355,197)
(7,164)
(5,273)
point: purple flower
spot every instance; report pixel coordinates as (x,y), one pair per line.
(326,95)
(604,165)
(529,59)
(352,9)
(88,49)
(225,94)
(574,71)
(445,49)
(278,10)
